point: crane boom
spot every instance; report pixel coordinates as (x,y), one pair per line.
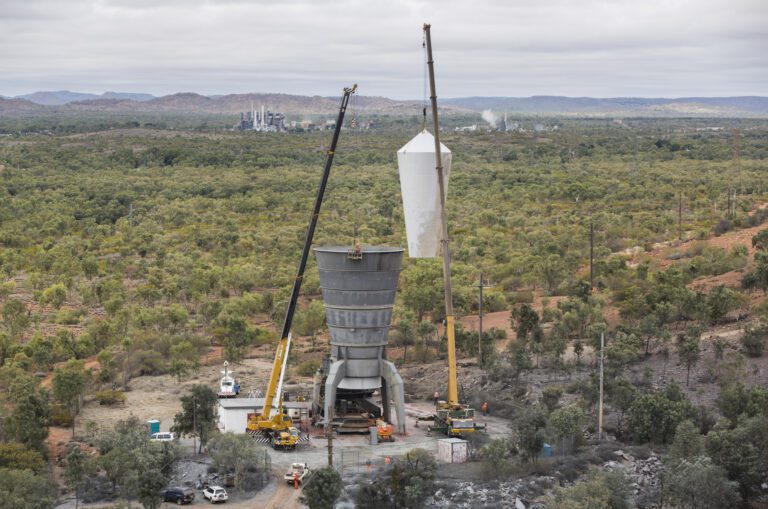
(452,418)
(453,390)
(272,397)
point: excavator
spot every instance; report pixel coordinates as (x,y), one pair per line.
(452,418)
(271,421)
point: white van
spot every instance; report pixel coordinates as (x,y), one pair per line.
(163,436)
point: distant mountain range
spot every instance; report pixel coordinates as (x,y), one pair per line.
(753,105)
(66,101)
(61,97)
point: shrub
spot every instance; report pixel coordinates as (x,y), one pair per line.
(61,416)
(110,397)
(308,367)
(722,226)
(520,297)
(753,340)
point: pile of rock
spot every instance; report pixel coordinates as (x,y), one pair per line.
(644,474)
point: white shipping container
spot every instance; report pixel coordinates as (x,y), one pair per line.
(452,450)
(421,196)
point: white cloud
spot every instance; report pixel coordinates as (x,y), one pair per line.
(485,47)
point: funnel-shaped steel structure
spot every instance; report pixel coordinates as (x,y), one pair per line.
(359,287)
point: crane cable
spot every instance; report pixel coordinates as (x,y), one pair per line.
(424,96)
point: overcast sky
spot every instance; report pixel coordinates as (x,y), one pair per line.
(598,48)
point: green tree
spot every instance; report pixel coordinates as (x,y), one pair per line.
(760,241)
(655,416)
(198,414)
(422,288)
(236,455)
(688,443)
(55,295)
(621,395)
(529,433)
(566,422)
(27,423)
(496,456)
(525,320)
(733,450)
(406,330)
(183,358)
(77,468)
(689,350)
(322,489)
(69,385)
(23,489)
(550,397)
(118,463)
(753,339)
(150,485)
(310,321)
(236,335)
(413,479)
(520,359)
(697,483)
(551,271)
(720,302)
(16,318)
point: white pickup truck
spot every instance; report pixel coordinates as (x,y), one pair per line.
(298,472)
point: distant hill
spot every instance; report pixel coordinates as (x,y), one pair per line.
(696,106)
(10,105)
(187,102)
(230,104)
(62,97)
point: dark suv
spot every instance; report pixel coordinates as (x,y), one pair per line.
(179,495)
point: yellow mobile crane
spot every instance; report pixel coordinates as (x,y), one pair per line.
(272,421)
(452,418)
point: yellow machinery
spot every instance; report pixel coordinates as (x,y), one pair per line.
(452,418)
(272,421)
(385,431)
(285,440)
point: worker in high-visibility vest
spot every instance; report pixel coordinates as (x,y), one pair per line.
(295,481)
(485,408)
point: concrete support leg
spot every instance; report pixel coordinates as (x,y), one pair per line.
(317,383)
(394,390)
(336,374)
(386,411)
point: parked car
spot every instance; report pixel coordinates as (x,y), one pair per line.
(164,436)
(179,495)
(215,494)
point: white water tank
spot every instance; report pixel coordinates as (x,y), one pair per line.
(421,196)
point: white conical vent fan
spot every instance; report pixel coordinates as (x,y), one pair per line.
(420,189)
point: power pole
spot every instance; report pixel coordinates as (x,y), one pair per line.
(600,407)
(591,252)
(679,215)
(329,436)
(481,285)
